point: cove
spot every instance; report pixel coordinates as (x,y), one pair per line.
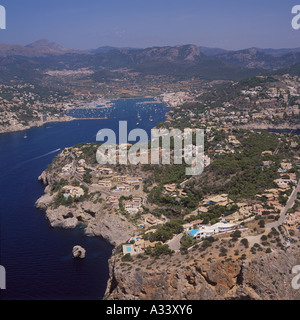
(37,258)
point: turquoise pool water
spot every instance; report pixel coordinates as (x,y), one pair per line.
(193,232)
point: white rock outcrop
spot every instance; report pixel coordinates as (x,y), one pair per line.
(78,252)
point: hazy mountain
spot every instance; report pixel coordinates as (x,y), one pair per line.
(106,49)
(279,52)
(178,54)
(184,61)
(182,54)
(250,58)
(38,48)
(8,50)
(270,51)
(45,46)
(212,51)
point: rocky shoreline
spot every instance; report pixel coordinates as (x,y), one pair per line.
(32,124)
(111,227)
(264,277)
(196,275)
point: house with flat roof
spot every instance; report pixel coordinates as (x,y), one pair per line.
(133,206)
(192,225)
(293,219)
(208,231)
(112,201)
(138,246)
(119,179)
(105,183)
(134,248)
(233,141)
(150,219)
(284,183)
(286,166)
(170,187)
(294,144)
(73,191)
(106,171)
(267,152)
(81,170)
(221,200)
(122,188)
(68,168)
(133,180)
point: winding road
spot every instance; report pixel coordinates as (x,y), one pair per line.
(280,221)
(284,211)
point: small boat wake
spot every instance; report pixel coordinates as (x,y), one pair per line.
(39,157)
(44,155)
(20,164)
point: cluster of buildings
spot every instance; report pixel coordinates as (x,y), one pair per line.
(137,244)
(175,99)
(119,184)
(271,103)
(22,103)
(230,145)
(173,191)
(245,211)
(286,176)
(72,191)
(293,220)
(132,206)
(106,181)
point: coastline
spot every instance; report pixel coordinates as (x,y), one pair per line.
(34,124)
(93,217)
(115,231)
(101,224)
(98,103)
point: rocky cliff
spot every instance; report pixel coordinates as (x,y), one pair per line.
(263,277)
(111,227)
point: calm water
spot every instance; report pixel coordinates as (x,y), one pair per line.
(37,258)
(285,131)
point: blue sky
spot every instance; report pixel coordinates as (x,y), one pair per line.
(228,24)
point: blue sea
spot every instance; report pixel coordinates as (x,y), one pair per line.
(37,258)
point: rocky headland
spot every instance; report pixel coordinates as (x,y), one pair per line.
(246,265)
(97,222)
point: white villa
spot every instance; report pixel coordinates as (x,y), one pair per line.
(208,231)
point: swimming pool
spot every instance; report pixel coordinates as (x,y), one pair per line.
(128,249)
(193,232)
